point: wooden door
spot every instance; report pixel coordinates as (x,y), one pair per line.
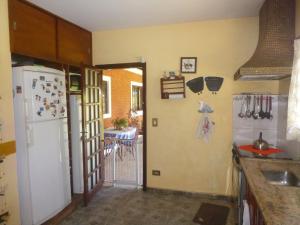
(74,43)
(92,122)
(32,31)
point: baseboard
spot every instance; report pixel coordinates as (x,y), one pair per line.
(195,194)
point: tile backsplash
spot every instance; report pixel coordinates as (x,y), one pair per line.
(246,130)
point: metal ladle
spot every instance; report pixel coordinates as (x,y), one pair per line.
(256,115)
(248,111)
(267,113)
(241,114)
(270,108)
(261,112)
(253,113)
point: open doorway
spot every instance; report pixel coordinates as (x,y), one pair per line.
(124,111)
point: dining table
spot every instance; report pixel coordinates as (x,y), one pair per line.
(124,137)
(126,133)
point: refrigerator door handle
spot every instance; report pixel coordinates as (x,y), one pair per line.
(26,109)
(29,136)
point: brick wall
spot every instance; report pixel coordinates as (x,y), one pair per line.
(121,93)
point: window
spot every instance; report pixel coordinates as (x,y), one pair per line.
(137,97)
(106,96)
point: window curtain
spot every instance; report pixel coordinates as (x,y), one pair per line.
(293,121)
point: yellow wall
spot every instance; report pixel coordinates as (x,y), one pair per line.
(187,163)
(6,114)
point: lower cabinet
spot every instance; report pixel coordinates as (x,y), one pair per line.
(256,217)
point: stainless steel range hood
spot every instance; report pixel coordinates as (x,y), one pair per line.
(273,57)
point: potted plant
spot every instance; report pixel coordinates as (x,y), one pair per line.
(120,123)
(133,118)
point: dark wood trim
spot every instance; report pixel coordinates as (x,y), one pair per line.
(67,77)
(10,25)
(84,149)
(121,66)
(142,66)
(91,49)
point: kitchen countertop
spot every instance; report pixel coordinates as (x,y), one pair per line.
(280,205)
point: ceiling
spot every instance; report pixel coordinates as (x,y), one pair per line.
(97,15)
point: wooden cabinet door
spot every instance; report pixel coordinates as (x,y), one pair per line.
(74,44)
(32,31)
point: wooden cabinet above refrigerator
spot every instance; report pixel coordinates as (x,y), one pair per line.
(40,34)
(74,43)
(32,31)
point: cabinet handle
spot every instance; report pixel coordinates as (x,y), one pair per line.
(89,51)
(15,25)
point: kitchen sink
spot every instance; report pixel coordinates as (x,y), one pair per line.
(283,178)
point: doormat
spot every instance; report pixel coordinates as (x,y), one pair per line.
(210,214)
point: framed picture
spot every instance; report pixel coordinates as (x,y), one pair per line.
(188,64)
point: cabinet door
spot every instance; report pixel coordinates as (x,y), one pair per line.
(74,44)
(32,31)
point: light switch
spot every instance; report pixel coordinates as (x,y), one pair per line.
(154,122)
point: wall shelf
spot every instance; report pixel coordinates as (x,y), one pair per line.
(172,88)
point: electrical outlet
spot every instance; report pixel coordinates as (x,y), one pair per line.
(154,122)
(156,172)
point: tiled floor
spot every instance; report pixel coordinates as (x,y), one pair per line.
(113,206)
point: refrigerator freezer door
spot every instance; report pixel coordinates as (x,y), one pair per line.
(45,96)
(66,160)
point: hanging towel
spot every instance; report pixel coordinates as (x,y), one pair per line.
(205,128)
(246,215)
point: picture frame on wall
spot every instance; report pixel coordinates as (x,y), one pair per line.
(188,64)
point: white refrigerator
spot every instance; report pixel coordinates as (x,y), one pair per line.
(42,142)
(76,137)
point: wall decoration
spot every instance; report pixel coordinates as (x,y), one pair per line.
(172,88)
(196,85)
(205,128)
(188,64)
(214,83)
(204,108)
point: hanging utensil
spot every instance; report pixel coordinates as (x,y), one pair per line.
(267,107)
(267,113)
(248,111)
(254,108)
(261,112)
(256,115)
(241,114)
(270,108)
